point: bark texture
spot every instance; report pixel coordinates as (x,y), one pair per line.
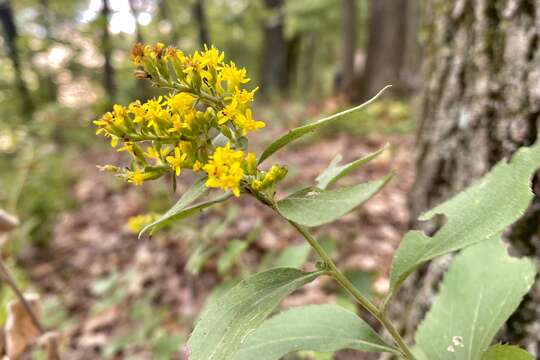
(481,101)
(385,48)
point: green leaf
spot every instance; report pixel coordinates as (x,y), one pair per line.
(298,132)
(230,255)
(227,321)
(506,352)
(322,328)
(181,210)
(313,206)
(476,214)
(293,256)
(218,292)
(363,281)
(481,289)
(334,172)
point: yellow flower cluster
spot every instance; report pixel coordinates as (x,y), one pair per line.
(170,133)
(226,166)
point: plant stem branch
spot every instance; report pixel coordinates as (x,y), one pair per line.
(353,291)
(341,279)
(10,281)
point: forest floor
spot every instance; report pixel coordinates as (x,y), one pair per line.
(113,295)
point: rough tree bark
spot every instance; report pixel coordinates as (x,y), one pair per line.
(108,70)
(481,101)
(385,47)
(10,37)
(274,75)
(348,28)
(202,25)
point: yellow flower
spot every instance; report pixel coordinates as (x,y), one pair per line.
(136,177)
(228,113)
(195,65)
(177,130)
(233,76)
(128,146)
(225,169)
(212,57)
(114,141)
(251,163)
(155,51)
(256,184)
(177,124)
(177,160)
(136,223)
(246,123)
(243,96)
(138,111)
(152,153)
(197,165)
(137,53)
(182,102)
(184,146)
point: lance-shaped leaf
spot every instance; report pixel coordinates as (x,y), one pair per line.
(182,208)
(479,212)
(324,328)
(481,289)
(227,321)
(293,256)
(334,171)
(313,206)
(506,352)
(298,132)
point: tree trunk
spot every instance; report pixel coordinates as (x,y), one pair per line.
(481,101)
(108,70)
(409,77)
(385,47)
(165,13)
(200,15)
(348,50)
(10,37)
(274,75)
(48,88)
(294,46)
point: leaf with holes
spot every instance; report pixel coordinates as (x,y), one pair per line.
(323,328)
(226,321)
(298,132)
(481,289)
(484,209)
(313,206)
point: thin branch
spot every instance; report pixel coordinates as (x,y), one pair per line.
(10,281)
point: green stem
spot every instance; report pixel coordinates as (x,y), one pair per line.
(340,278)
(351,289)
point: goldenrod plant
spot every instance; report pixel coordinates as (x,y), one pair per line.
(203,125)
